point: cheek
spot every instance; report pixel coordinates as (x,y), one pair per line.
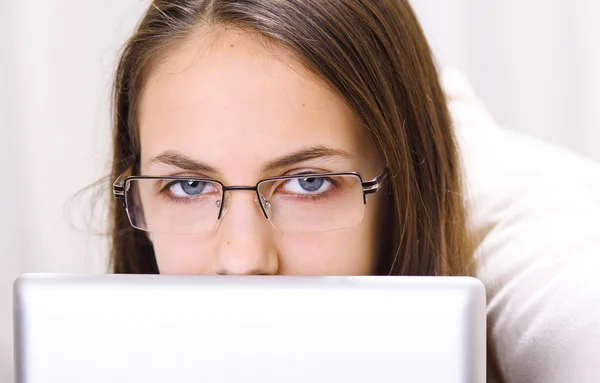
(344,252)
(183,254)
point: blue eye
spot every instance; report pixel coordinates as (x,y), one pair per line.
(188,188)
(311,184)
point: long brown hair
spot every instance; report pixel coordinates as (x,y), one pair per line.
(374,54)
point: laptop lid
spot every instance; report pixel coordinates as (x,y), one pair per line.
(226,329)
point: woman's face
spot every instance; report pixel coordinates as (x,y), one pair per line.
(232,110)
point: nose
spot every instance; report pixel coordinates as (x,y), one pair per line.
(245,242)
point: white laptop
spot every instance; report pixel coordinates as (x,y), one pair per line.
(230,329)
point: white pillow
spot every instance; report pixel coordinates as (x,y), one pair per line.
(535,211)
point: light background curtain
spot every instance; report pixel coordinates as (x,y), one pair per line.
(535,64)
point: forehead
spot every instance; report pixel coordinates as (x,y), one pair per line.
(229,101)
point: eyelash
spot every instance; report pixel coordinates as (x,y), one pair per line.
(315,197)
(164,193)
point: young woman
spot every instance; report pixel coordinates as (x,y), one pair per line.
(313,137)
(297,137)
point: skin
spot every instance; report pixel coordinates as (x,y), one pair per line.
(232,103)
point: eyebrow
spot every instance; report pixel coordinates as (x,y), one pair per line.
(181,161)
(303,155)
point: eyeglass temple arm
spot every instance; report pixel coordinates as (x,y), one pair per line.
(373,186)
(119,184)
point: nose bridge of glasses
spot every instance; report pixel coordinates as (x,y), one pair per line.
(259,200)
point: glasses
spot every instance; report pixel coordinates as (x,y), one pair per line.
(303,203)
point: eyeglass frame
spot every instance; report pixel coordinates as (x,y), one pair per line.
(368,187)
